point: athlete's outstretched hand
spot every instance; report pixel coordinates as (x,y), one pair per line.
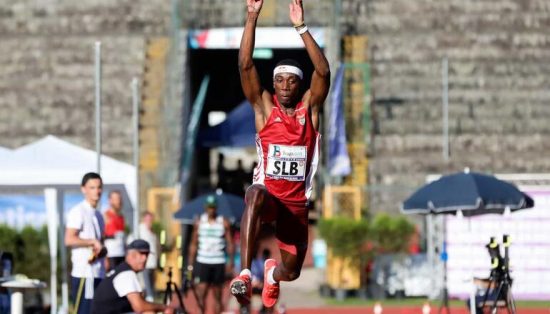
(296,12)
(254,6)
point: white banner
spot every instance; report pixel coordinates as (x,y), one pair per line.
(529,251)
(266,37)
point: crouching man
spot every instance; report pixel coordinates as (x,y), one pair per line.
(120,291)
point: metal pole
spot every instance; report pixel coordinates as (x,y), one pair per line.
(445,79)
(50,196)
(135,103)
(63,254)
(97,78)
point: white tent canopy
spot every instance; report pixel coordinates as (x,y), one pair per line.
(51,161)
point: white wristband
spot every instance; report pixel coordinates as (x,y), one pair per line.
(302,30)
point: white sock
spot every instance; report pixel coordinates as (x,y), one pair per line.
(270,278)
(246,272)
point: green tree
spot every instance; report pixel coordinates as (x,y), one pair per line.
(30,251)
(8,239)
(391,234)
(34,253)
(344,236)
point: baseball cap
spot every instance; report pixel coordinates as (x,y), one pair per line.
(211,201)
(139,245)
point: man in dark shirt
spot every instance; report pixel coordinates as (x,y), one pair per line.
(120,291)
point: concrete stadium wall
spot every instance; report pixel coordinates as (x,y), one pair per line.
(499,77)
(499,69)
(47,73)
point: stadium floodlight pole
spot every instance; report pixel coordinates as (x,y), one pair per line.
(445,83)
(135,104)
(97,80)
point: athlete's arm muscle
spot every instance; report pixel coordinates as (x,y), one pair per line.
(250,80)
(320,81)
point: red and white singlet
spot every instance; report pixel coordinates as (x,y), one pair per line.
(288,154)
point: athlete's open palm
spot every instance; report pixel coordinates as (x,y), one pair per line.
(254,6)
(296,12)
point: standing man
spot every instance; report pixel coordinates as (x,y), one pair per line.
(146,233)
(120,292)
(211,253)
(84,235)
(287,142)
(114,230)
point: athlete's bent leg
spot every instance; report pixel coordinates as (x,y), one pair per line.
(292,238)
(250,225)
(291,265)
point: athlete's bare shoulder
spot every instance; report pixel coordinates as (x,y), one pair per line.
(263,111)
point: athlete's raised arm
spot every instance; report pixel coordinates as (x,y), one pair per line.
(250,80)
(320,81)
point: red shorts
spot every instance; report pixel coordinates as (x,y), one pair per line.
(291,223)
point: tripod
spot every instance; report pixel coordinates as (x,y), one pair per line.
(170,288)
(500,275)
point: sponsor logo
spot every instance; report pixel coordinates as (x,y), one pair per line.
(276,151)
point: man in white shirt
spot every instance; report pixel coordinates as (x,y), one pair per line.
(84,234)
(146,233)
(120,292)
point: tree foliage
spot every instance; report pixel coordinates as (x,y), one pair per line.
(344,236)
(30,251)
(391,234)
(348,237)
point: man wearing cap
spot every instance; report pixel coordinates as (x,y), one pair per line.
(287,143)
(210,253)
(120,291)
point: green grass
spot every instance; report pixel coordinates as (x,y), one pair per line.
(420,301)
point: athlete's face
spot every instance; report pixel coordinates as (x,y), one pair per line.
(287,88)
(211,211)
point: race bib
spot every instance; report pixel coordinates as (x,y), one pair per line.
(286,162)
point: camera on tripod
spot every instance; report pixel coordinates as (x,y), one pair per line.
(499,288)
(497,261)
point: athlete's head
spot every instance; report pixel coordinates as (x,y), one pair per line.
(211,205)
(287,77)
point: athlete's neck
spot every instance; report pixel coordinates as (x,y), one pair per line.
(288,108)
(212,217)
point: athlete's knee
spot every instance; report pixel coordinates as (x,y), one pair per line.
(255,195)
(289,274)
(293,275)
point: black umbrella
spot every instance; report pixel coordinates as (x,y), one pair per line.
(469,193)
(229,206)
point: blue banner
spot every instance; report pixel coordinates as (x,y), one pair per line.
(338,158)
(20,210)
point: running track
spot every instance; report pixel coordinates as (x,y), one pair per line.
(193,309)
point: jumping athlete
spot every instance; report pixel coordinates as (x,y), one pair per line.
(287,142)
